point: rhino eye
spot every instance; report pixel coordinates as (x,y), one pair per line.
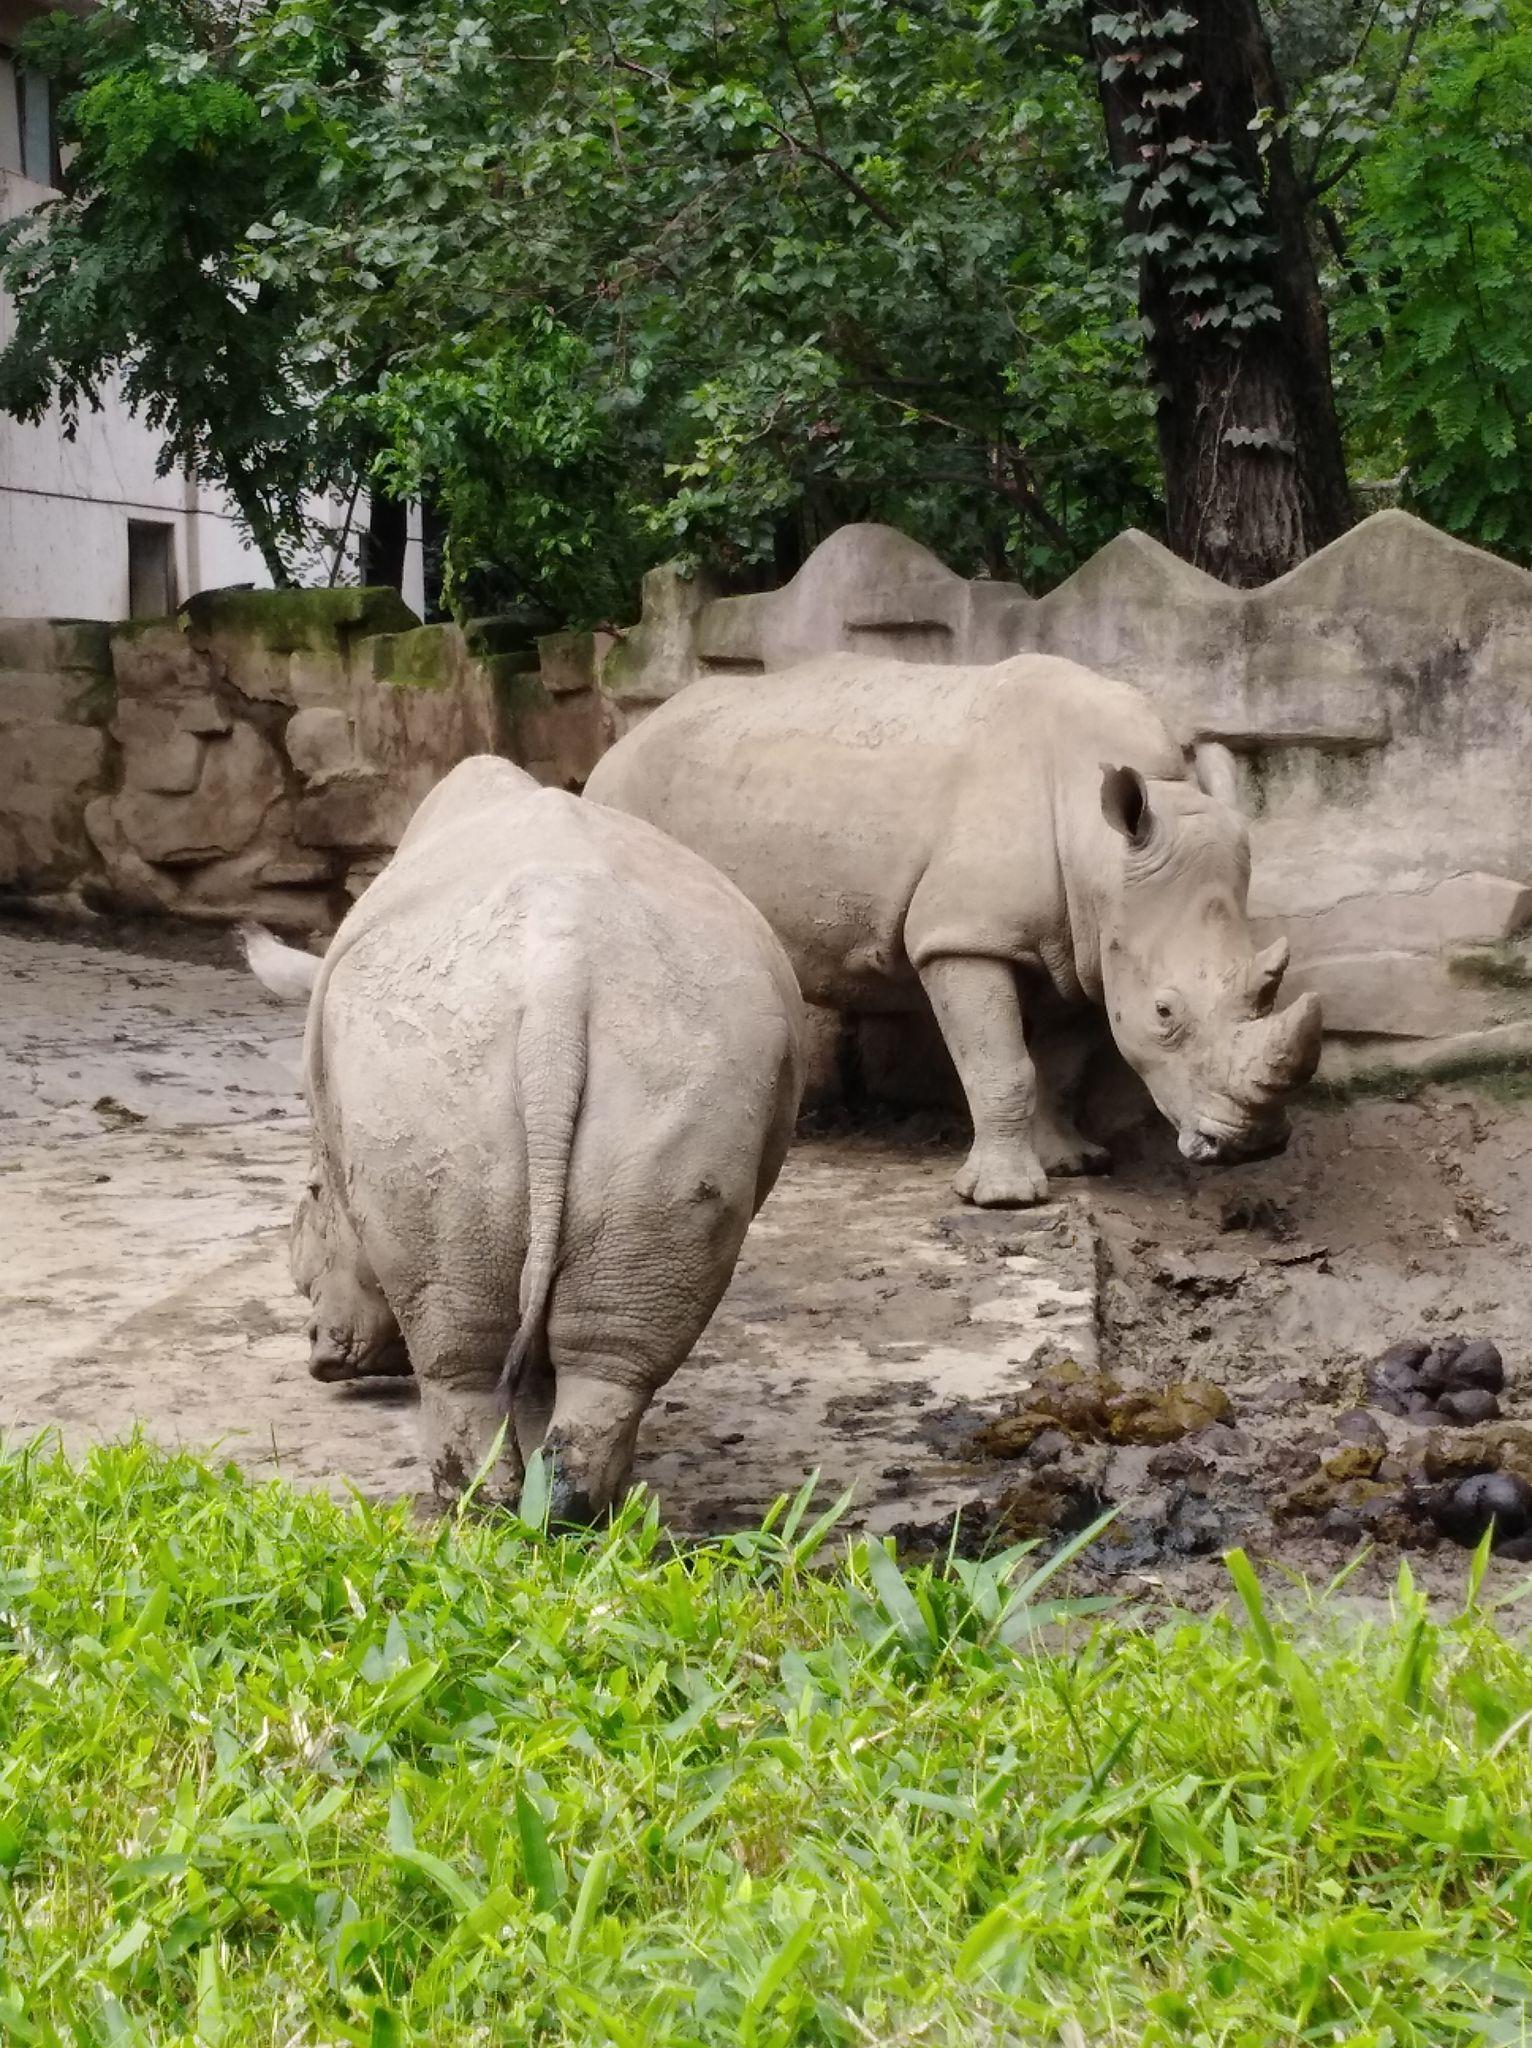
(1166,1016)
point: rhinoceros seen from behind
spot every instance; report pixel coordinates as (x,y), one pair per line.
(553,1062)
(1022,840)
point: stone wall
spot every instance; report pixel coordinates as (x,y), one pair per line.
(260,754)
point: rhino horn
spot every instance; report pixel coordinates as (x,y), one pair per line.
(1280,1053)
(1264,975)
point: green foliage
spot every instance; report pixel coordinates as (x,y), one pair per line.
(138,275)
(1443,241)
(277,1770)
(650,288)
(635,279)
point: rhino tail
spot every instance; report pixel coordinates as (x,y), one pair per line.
(550,1068)
(281,970)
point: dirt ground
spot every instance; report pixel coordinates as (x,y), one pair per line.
(152,1142)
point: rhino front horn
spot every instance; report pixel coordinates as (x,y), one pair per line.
(1285,1049)
(1265,977)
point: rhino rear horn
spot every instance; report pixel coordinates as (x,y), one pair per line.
(1264,977)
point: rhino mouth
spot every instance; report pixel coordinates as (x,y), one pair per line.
(1204,1147)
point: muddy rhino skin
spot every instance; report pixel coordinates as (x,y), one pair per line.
(553,1061)
(1021,841)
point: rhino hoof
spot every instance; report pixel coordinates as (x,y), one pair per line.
(1072,1157)
(1001,1180)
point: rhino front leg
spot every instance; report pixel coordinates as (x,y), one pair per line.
(979,1012)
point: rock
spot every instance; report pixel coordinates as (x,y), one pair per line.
(1491,1447)
(1047,1447)
(1320,1493)
(1473,1405)
(1465,1511)
(1356,1461)
(1391,1379)
(241,778)
(1176,1461)
(318,743)
(1207,1275)
(1047,1503)
(1145,1417)
(1358,1427)
(1477,1364)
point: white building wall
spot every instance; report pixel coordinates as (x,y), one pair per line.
(65,506)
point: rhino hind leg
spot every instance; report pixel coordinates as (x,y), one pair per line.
(590,1441)
(1060,1057)
(458,1363)
(978,1010)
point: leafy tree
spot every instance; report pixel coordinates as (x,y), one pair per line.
(656,284)
(137,274)
(631,278)
(1444,325)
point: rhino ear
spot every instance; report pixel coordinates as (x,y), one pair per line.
(1125,804)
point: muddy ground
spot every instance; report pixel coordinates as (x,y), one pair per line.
(151,1144)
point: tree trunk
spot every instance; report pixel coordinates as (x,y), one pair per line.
(383,550)
(1236,334)
(256,514)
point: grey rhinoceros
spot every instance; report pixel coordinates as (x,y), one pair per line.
(553,1062)
(1021,839)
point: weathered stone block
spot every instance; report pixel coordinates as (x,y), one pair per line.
(360,811)
(319,745)
(50,774)
(204,715)
(572,662)
(296,621)
(1461,910)
(155,661)
(157,755)
(1400,995)
(241,779)
(34,697)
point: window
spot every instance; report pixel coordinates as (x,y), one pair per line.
(151,570)
(28,139)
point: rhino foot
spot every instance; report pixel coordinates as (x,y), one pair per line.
(996,1177)
(1067,1154)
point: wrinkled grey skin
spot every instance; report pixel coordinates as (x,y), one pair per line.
(553,1062)
(1021,841)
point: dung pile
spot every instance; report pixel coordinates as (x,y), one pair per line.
(1076,1407)
(1469,1472)
(1458,1380)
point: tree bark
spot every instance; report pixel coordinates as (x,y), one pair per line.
(1255,474)
(383,550)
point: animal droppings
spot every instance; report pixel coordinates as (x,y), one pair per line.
(1456,1380)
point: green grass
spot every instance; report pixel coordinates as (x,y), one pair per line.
(277,1771)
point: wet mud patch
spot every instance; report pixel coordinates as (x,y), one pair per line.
(152,1146)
